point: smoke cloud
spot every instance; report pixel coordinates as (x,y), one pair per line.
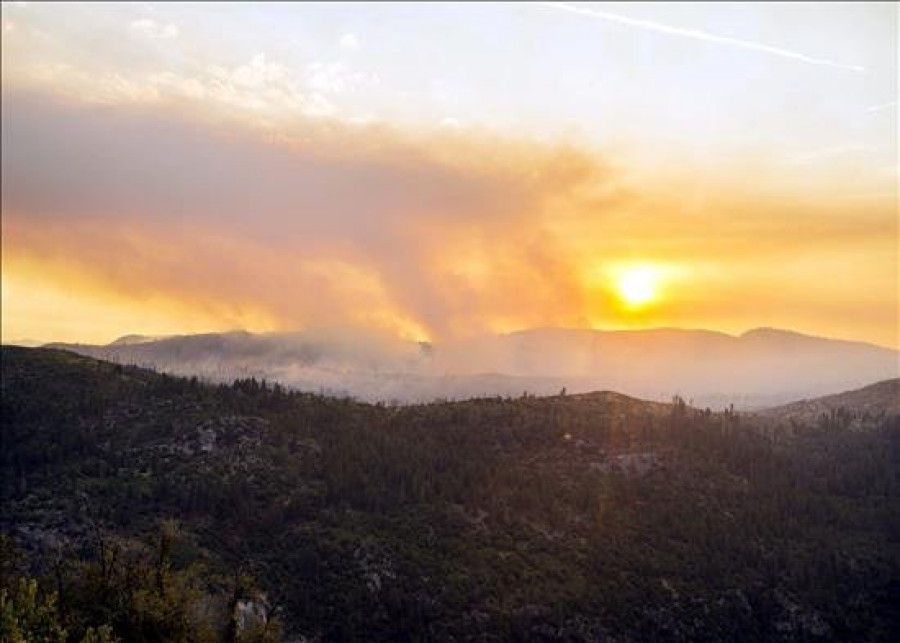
(424,236)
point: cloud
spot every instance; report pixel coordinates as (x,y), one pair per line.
(335,78)
(350,42)
(883,107)
(429,236)
(152,29)
(261,90)
(259,85)
(697,34)
(830,153)
(359,216)
(159,163)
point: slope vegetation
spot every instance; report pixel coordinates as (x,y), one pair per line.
(573,517)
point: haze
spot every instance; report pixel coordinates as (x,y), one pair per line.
(440,172)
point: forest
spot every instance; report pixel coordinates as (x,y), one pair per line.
(138,506)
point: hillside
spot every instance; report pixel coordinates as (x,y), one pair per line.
(864,407)
(758,369)
(569,518)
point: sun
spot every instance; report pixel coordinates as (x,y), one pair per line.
(638,286)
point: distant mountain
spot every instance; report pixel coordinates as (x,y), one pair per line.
(24,342)
(127,340)
(862,408)
(760,368)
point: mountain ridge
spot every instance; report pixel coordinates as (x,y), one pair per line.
(761,368)
(861,407)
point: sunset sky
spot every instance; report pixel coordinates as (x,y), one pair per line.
(438,171)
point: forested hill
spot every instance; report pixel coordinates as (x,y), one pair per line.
(860,408)
(149,507)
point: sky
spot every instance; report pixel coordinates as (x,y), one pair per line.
(437,171)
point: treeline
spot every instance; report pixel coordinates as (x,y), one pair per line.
(563,518)
(124,590)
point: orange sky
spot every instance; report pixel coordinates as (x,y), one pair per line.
(135,202)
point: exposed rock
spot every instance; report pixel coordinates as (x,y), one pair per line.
(251,613)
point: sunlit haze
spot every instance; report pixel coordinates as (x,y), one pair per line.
(438,171)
